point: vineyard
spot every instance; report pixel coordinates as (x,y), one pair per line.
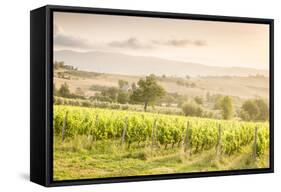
(159,131)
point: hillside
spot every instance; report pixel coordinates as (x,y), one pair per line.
(244,87)
(117,63)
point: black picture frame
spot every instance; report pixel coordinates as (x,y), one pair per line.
(41,99)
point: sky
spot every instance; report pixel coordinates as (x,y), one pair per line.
(210,43)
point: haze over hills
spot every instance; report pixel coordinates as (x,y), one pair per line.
(118,63)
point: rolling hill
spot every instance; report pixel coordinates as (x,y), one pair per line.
(117,63)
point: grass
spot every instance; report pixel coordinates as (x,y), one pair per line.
(83,158)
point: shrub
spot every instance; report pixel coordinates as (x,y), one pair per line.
(192,109)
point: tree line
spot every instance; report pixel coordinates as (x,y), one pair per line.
(148,92)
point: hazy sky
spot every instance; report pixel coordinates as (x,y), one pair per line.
(205,42)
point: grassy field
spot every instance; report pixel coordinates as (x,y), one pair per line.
(81,158)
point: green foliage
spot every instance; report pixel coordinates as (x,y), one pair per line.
(82,74)
(217,99)
(185,83)
(111,92)
(198,100)
(64,90)
(101,98)
(167,100)
(254,110)
(262,142)
(122,83)
(249,110)
(226,107)
(62,65)
(105,124)
(58,64)
(98,88)
(192,109)
(263,114)
(148,91)
(105,102)
(123,97)
(134,86)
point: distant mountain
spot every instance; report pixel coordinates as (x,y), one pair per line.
(117,63)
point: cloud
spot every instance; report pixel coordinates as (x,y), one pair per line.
(134,43)
(131,42)
(200,43)
(70,41)
(180,42)
(63,39)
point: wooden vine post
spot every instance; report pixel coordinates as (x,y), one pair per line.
(96,126)
(186,137)
(64,126)
(154,128)
(255,143)
(218,148)
(124,131)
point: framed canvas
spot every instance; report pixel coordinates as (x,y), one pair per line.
(125,95)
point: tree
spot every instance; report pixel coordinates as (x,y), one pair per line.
(218,99)
(192,109)
(123,97)
(64,90)
(169,99)
(148,91)
(101,97)
(58,64)
(254,110)
(122,83)
(134,86)
(249,110)
(226,107)
(263,114)
(111,92)
(198,100)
